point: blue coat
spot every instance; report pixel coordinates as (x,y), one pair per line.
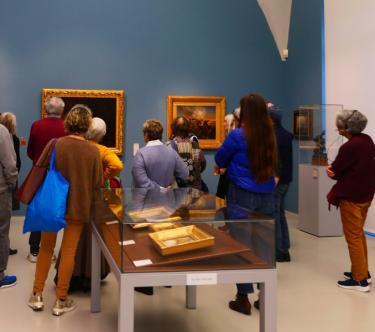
(232,155)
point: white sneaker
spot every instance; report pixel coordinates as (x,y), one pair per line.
(36,302)
(61,307)
(32,258)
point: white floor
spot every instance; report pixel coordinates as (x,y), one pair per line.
(308,298)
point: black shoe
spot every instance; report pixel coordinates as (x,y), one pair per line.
(241,304)
(349,275)
(12,251)
(256,304)
(283,257)
(362,286)
(145,290)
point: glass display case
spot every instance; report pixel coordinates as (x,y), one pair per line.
(180,237)
(164,230)
(314,126)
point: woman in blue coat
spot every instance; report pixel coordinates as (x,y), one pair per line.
(249,154)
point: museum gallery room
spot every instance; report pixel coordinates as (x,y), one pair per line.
(202,165)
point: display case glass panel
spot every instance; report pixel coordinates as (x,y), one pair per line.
(318,140)
(318,144)
(181,229)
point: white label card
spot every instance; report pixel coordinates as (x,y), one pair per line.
(112,222)
(142,262)
(126,243)
(201,279)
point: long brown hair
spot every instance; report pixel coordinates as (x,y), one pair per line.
(260,136)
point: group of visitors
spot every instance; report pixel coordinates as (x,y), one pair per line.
(254,163)
(86,165)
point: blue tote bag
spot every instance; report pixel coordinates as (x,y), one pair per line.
(46,211)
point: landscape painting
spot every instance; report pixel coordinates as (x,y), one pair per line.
(206,115)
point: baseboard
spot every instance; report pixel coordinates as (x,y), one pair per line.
(292,214)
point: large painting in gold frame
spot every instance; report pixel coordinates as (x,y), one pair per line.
(105,104)
(206,114)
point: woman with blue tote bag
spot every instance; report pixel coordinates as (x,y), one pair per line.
(79,163)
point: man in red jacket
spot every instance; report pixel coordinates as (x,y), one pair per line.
(42,131)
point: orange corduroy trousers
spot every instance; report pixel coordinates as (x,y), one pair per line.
(353,217)
(69,245)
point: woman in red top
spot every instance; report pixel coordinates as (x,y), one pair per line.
(354,170)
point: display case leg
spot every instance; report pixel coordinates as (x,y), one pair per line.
(126,307)
(95,274)
(191,297)
(268,304)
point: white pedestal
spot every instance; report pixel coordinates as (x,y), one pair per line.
(314,217)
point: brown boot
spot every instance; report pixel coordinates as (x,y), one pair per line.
(241,304)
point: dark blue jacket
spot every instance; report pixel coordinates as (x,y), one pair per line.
(285,154)
(232,155)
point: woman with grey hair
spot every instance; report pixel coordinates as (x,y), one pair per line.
(112,165)
(354,170)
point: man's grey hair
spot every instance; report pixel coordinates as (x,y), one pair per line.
(54,106)
(352,121)
(97,130)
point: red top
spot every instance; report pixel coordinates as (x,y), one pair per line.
(354,169)
(41,133)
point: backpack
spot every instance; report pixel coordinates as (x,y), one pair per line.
(190,154)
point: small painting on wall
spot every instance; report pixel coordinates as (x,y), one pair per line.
(206,115)
(303,124)
(105,104)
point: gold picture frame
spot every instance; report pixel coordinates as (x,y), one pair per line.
(207,114)
(106,104)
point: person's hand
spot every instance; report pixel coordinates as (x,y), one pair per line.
(222,171)
(329,172)
(277,179)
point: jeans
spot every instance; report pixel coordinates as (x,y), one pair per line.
(353,217)
(281,224)
(258,202)
(34,242)
(5,215)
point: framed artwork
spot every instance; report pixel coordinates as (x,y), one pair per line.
(303,124)
(105,104)
(206,114)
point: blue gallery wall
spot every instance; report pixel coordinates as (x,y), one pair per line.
(304,71)
(151,49)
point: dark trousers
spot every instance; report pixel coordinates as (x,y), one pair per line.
(281,224)
(34,241)
(258,202)
(5,215)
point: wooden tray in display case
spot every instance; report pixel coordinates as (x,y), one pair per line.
(182,239)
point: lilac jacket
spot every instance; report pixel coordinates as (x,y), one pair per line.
(156,165)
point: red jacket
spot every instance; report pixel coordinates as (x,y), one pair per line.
(41,133)
(354,169)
